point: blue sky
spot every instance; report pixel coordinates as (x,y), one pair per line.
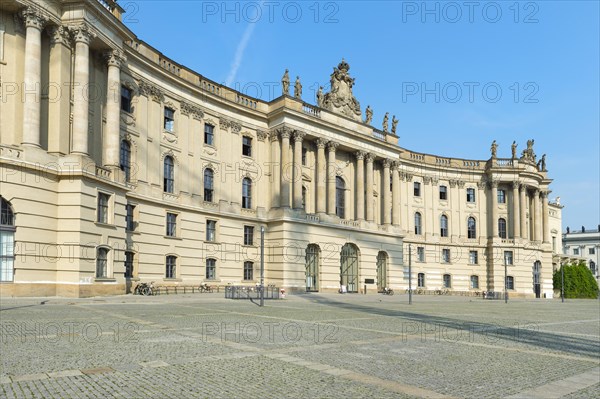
(457,75)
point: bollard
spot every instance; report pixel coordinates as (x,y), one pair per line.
(365,291)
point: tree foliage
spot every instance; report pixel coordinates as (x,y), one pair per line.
(579,281)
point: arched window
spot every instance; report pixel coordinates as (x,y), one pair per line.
(444,226)
(593,267)
(418,230)
(471,228)
(125,159)
(247,193)
(447,281)
(312,267)
(208,185)
(7,241)
(502,228)
(340,193)
(102,262)
(169,175)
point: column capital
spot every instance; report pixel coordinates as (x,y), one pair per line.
(298,136)
(60,35)
(516,184)
(360,155)
(321,142)
(188,109)
(151,91)
(261,135)
(395,165)
(493,183)
(482,184)
(426,180)
(285,132)
(369,157)
(332,146)
(544,193)
(82,34)
(33,18)
(386,163)
(115,58)
(273,135)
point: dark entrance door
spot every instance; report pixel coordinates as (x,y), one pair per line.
(537,270)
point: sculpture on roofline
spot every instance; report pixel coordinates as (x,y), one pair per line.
(494,149)
(528,154)
(340,99)
(368,115)
(513,148)
(298,88)
(541,165)
(285,83)
(385,124)
(394,124)
(320,97)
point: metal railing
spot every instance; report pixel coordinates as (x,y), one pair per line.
(250,292)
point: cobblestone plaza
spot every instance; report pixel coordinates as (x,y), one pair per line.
(312,345)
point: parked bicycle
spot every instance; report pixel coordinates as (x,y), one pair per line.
(144,289)
(387,291)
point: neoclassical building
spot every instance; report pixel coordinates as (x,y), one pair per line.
(120,165)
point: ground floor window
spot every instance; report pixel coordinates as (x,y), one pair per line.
(101,262)
(170,266)
(510,283)
(421,280)
(7,254)
(248,271)
(447,281)
(129,264)
(475,282)
(211,269)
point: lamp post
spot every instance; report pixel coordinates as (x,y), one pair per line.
(262,266)
(562,283)
(505,282)
(409,274)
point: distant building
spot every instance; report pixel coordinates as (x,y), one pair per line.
(583,244)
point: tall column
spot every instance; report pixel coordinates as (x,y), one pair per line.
(59,76)
(395,195)
(285,167)
(298,137)
(321,175)
(81,82)
(494,205)
(32,78)
(111,145)
(331,175)
(276,169)
(360,185)
(536,215)
(385,188)
(516,214)
(370,213)
(523,206)
(545,215)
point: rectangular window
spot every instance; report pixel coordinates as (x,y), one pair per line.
(421,280)
(169,119)
(125,99)
(248,271)
(445,255)
(508,258)
(170,266)
(304,151)
(7,251)
(129,218)
(475,282)
(103,201)
(129,264)
(510,283)
(246,146)
(417,189)
(575,251)
(248,235)
(443,192)
(470,195)
(501,196)
(591,251)
(211,269)
(171,225)
(101,263)
(421,254)
(211,230)
(209,137)
(473,258)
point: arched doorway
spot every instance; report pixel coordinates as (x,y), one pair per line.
(537,271)
(349,267)
(381,271)
(312,267)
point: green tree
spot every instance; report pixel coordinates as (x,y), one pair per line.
(579,281)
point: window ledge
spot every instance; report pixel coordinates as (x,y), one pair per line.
(173,237)
(172,279)
(107,225)
(105,280)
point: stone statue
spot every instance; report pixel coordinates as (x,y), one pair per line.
(340,99)
(386,119)
(368,115)
(394,124)
(513,148)
(298,88)
(285,83)
(528,153)
(494,149)
(541,165)
(320,97)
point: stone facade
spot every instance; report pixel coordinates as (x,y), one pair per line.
(583,245)
(120,165)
